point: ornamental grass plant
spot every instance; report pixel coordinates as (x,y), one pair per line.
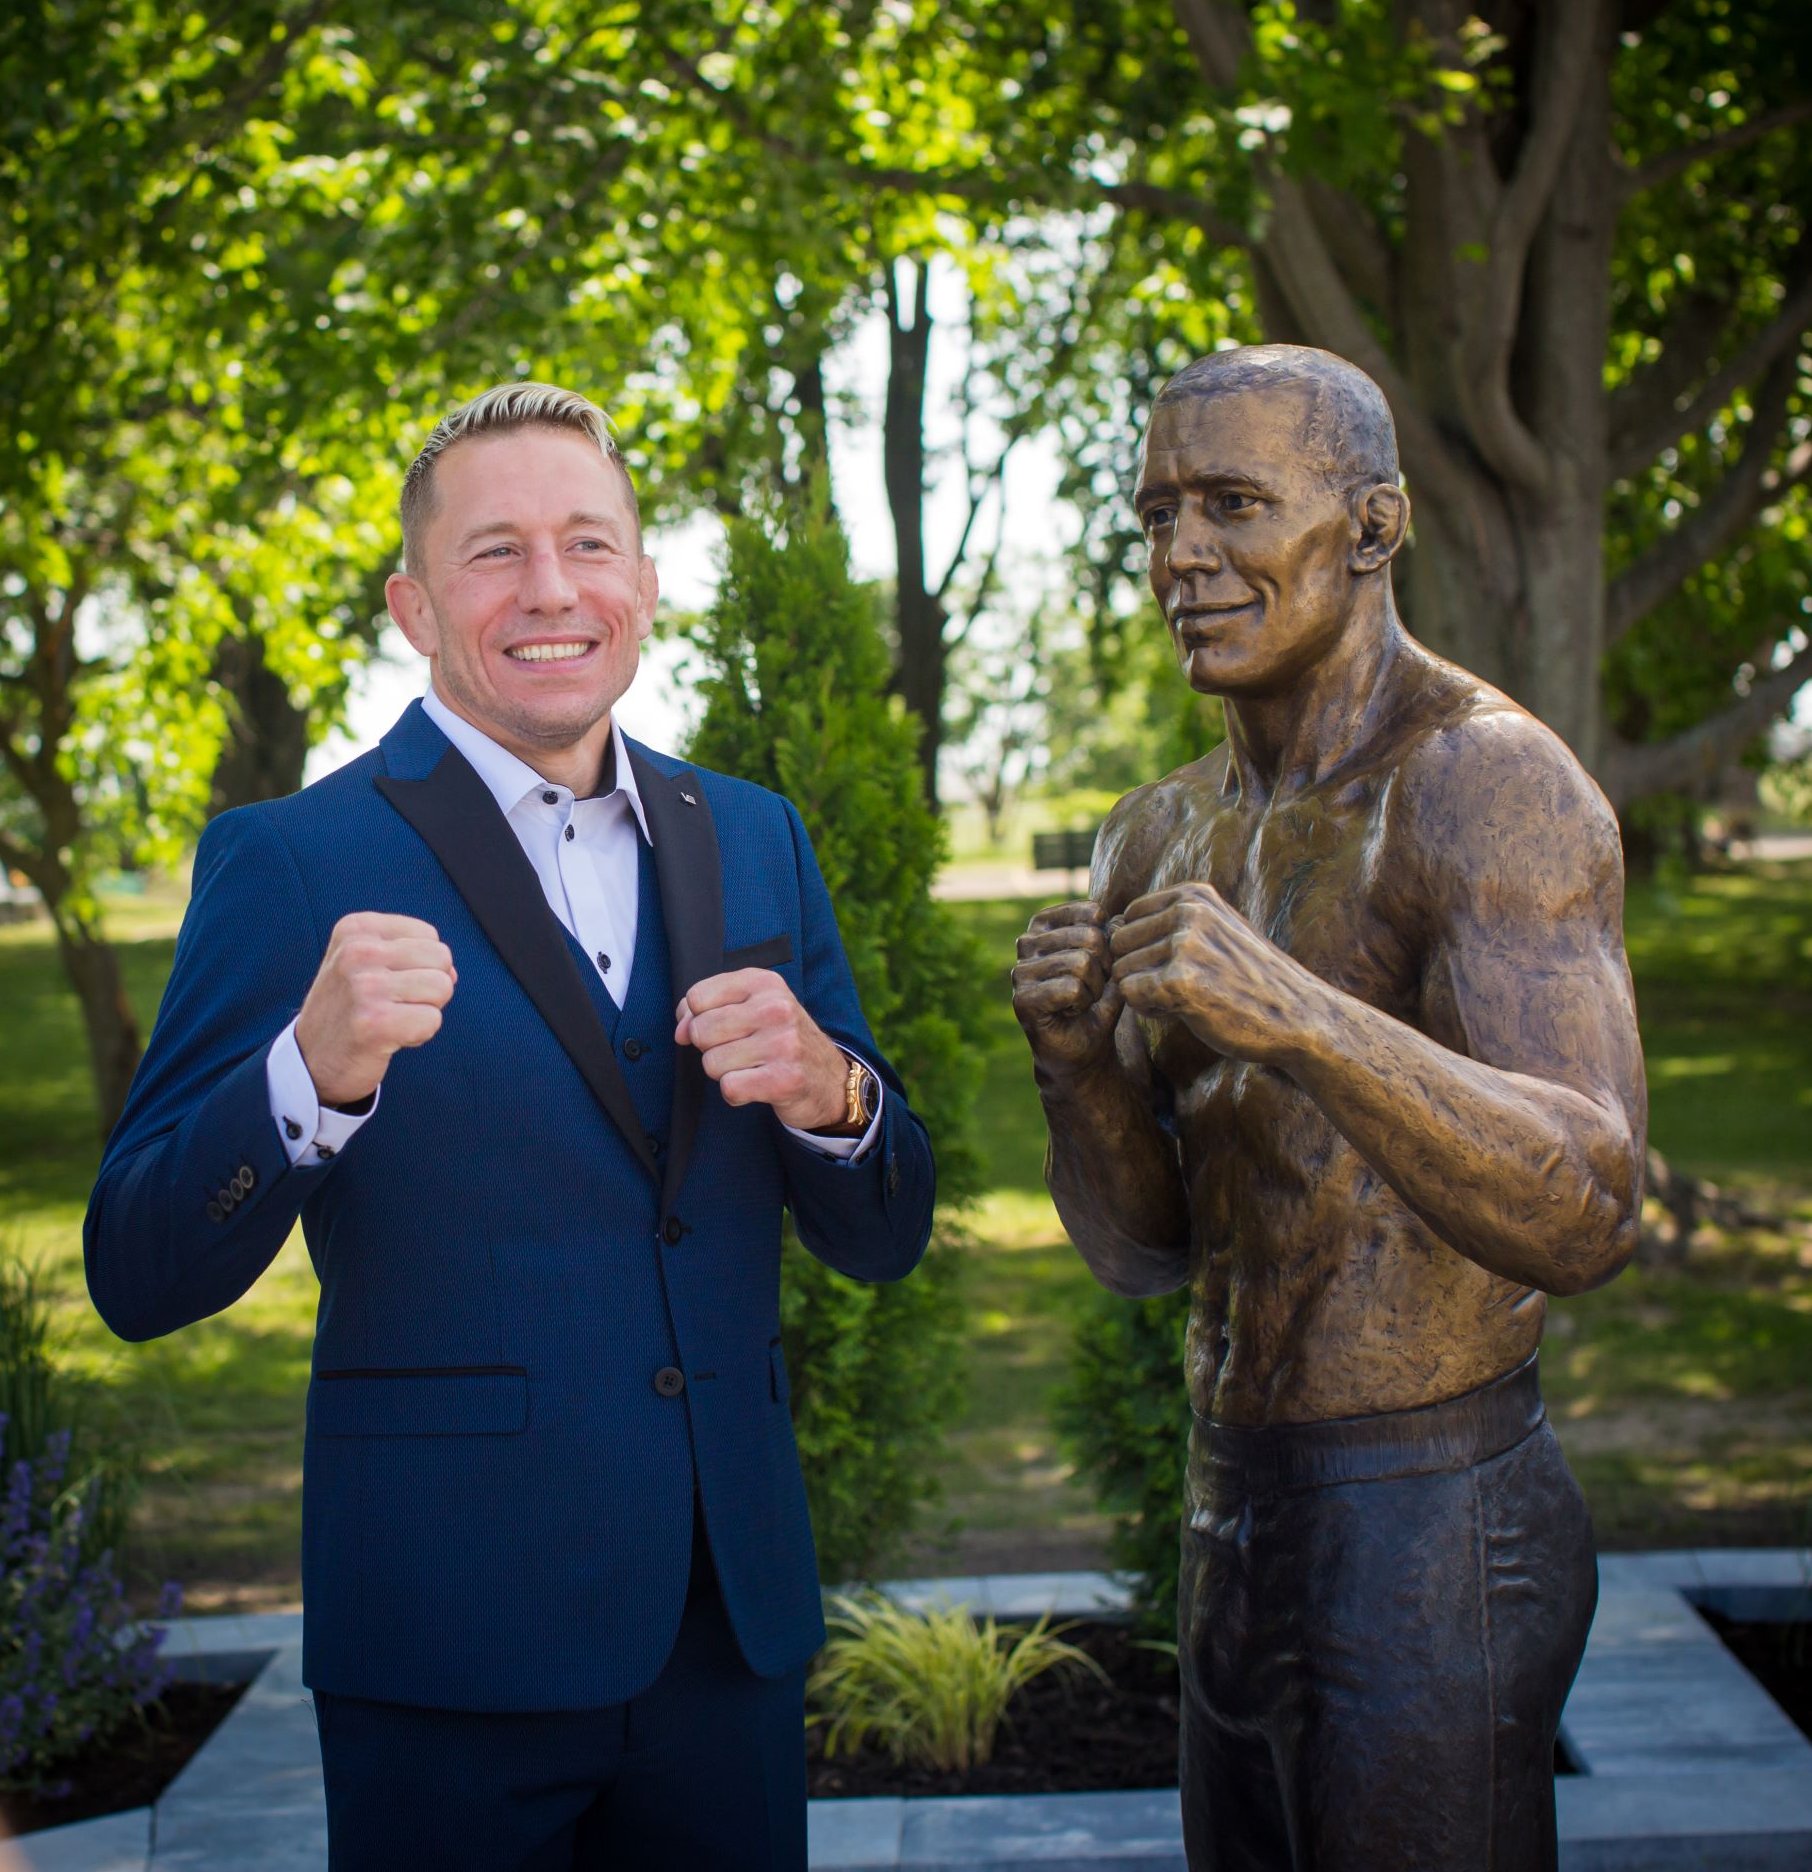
(929,1689)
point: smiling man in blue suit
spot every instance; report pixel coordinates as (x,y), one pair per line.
(538,1032)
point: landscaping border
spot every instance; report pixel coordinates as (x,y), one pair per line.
(1685,1761)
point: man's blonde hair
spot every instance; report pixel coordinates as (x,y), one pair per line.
(500,411)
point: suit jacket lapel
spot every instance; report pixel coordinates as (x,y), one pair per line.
(690,871)
(456,815)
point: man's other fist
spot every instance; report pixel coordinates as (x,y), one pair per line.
(762,1048)
(1063,988)
(381,986)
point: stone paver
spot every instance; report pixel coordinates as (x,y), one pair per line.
(1688,1764)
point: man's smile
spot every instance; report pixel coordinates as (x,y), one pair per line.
(543,652)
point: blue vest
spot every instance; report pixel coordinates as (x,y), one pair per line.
(641,1031)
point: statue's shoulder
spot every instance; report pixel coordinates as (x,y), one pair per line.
(1146,824)
(1482,778)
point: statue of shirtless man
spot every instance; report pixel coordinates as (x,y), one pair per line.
(1344,1040)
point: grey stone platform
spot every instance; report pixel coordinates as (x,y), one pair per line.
(1686,1763)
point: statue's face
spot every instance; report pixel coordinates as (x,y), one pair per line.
(1251,547)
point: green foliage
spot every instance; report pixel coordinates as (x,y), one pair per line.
(795,686)
(1123,1412)
(42,1409)
(930,1689)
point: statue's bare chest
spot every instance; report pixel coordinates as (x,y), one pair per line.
(1317,876)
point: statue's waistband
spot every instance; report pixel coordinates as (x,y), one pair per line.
(1432,1439)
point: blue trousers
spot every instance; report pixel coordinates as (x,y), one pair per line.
(705,1769)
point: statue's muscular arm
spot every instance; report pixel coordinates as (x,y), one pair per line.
(1112,1167)
(1520,1143)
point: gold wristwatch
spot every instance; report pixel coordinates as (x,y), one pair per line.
(861,1094)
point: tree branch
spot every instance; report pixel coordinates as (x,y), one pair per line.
(1633,770)
(1219,36)
(1563,67)
(1647,414)
(1637,177)
(1730,506)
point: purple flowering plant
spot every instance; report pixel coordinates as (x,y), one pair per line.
(74,1663)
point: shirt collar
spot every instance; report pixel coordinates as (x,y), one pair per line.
(510,779)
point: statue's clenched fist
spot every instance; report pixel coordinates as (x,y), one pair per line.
(381,986)
(1064,992)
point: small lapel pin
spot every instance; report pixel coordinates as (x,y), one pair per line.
(688,798)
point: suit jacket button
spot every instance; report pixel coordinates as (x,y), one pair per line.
(633,1049)
(673,1231)
(669,1382)
(215,1212)
(244,1179)
(227,1197)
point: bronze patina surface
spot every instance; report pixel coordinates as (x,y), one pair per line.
(1344,1038)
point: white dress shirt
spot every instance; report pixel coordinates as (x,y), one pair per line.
(584,854)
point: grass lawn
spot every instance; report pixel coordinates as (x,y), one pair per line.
(1684,1397)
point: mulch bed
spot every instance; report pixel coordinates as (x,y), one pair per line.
(1066,1733)
(1777,1655)
(131,1767)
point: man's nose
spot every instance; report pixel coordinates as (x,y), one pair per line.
(546,584)
(1193,547)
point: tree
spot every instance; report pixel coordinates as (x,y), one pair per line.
(796,698)
(1566,239)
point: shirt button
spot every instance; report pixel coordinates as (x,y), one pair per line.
(550,799)
(291,1129)
(324,1151)
(603,963)
(569,831)
(633,1049)
(669,1381)
(674,1229)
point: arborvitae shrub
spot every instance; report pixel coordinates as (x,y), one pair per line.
(796,681)
(1123,1413)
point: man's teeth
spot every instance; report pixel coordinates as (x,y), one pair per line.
(546,653)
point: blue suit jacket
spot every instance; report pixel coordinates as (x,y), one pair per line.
(497,1499)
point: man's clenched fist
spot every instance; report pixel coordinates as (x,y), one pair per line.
(762,1048)
(1064,991)
(381,986)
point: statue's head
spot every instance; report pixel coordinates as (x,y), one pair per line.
(1268,494)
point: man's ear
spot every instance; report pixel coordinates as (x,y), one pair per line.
(1381,524)
(647,596)
(413,612)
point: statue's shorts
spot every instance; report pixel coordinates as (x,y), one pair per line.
(1380,1619)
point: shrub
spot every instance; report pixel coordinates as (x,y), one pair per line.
(73,1664)
(39,1403)
(930,1689)
(1123,1413)
(795,684)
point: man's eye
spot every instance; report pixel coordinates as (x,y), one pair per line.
(494,552)
(1230,502)
(589,545)
(1157,518)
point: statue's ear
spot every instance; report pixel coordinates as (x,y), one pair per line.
(1381,524)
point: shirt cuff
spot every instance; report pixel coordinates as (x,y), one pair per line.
(848,1150)
(311,1133)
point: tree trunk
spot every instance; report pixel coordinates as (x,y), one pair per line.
(919,615)
(267,735)
(92,966)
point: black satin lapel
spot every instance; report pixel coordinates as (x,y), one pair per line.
(692,901)
(456,815)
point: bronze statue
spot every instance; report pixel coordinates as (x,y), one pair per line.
(1345,1040)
